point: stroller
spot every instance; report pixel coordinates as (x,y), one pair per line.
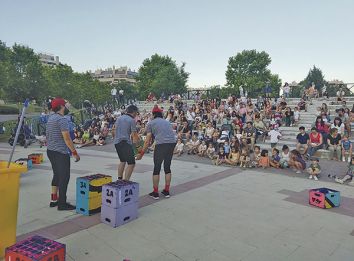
(226,131)
(25,137)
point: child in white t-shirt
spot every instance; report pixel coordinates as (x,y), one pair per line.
(179,148)
(285,157)
(274,137)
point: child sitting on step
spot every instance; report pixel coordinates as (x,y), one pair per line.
(233,157)
(221,158)
(285,157)
(314,169)
(202,149)
(244,158)
(296,116)
(264,160)
(256,156)
(347,148)
(297,162)
(275,160)
(179,148)
(210,151)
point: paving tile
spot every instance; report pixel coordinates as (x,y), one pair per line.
(308,254)
(343,254)
(167,257)
(85,246)
(215,255)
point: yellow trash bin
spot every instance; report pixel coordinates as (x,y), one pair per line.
(9,188)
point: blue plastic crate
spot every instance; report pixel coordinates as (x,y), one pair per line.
(91,186)
(88,206)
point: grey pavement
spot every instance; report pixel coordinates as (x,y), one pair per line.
(244,216)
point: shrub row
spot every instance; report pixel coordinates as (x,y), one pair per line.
(6,109)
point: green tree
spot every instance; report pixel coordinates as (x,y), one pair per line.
(24,75)
(222,92)
(62,81)
(316,76)
(161,75)
(249,69)
(4,65)
(59,81)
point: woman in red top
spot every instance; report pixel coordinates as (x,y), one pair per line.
(322,128)
(316,142)
(237,124)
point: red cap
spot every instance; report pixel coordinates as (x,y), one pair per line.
(57,102)
(156,109)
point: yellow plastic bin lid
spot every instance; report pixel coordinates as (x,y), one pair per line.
(9,188)
(13,169)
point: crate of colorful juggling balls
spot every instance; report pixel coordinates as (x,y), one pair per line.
(324,198)
(89,193)
(37,158)
(36,248)
(120,202)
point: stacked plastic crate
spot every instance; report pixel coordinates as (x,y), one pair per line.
(120,202)
(36,248)
(88,193)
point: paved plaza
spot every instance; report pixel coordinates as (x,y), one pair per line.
(215,213)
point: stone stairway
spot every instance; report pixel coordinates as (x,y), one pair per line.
(307,119)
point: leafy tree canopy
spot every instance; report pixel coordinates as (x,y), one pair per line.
(249,69)
(23,76)
(161,75)
(315,76)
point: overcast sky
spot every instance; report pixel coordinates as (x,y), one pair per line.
(203,33)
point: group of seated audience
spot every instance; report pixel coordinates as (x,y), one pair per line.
(95,131)
(231,132)
(227,132)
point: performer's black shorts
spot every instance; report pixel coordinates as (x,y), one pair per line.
(125,152)
(163,153)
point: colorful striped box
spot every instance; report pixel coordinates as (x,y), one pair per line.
(324,198)
(89,193)
(91,186)
(37,158)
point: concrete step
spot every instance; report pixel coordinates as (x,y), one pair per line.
(284,142)
(267,146)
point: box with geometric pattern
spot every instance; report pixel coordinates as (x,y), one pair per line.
(89,193)
(324,198)
(36,248)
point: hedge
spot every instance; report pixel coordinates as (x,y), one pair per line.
(6,109)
